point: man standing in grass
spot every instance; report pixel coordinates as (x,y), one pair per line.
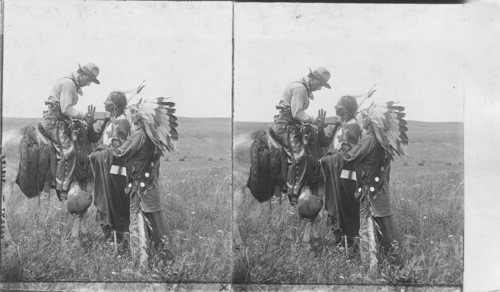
(340,177)
(153,135)
(383,137)
(110,175)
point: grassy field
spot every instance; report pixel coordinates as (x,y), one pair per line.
(427,194)
(196,195)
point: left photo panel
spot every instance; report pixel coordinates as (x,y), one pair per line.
(116,141)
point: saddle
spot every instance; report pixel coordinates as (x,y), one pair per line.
(38,161)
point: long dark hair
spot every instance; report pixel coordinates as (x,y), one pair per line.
(120,101)
(350,104)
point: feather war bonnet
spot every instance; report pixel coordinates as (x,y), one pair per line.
(160,123)
(388,125)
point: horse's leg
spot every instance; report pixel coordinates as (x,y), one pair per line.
(76,226)
(316,234)
(83,234)
(84,220)
(308,221)
(307,230)
(316,223)
(311,229)
(80,226)
(75,230)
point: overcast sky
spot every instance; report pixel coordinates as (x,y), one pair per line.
(181,49)
(413,52)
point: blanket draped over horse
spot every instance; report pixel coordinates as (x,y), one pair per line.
(38,158)
(269,163)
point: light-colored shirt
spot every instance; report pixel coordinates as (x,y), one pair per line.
(112,130)
(296,96)
(65,91)
(348,130)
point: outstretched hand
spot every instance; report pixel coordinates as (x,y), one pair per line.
(320,121)
(90,115)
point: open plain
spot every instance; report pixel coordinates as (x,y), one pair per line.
(427,193)
(196,195)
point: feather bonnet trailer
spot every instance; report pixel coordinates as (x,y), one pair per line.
(160,123)
(389,126)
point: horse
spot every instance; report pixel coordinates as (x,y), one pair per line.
(33,164)
(245,154)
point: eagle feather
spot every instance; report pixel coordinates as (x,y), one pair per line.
(388,125)
(159,121)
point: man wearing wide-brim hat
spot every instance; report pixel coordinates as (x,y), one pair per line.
(290,120)
(56,118)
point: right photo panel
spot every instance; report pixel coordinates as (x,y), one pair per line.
(348,157)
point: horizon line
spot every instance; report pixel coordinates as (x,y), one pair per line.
(245,121)
(10,117)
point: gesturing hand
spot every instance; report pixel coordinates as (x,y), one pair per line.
(320,121)
(90,115)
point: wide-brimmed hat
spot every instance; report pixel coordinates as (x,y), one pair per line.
(322,74)
(91,70)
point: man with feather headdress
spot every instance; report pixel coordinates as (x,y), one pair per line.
(154,134)
(384,136)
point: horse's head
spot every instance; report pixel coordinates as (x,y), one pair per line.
(308,134)
(83,171)
(77,128)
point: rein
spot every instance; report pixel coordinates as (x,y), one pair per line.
(83,169)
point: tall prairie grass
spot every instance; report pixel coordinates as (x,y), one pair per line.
(196,197)
(427,201)
(429,215)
